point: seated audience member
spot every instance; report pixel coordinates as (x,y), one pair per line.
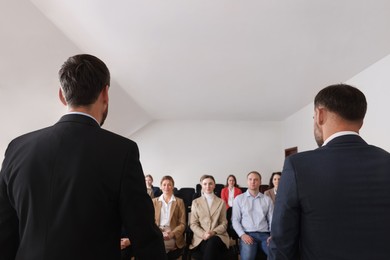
(252,217)
(170,216)
(208,222)
(149,185)
(230,191)
(273,184)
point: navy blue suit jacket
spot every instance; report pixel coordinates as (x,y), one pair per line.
(334,203)
(66,190)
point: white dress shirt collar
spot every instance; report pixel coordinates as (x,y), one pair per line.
(84,114)
(333,136)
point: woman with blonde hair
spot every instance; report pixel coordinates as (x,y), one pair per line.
(170,217)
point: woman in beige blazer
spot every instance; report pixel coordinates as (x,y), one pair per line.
(273,184)
(170,217)
(208,222)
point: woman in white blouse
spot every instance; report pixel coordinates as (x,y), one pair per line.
(170,217)
(208,222)
(230,191)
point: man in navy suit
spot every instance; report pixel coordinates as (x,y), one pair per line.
(66,190)
(334,202)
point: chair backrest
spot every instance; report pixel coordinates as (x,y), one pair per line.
(218,189)
(243,189)
(263,188)
(198,188)
(157,192)
(186,194)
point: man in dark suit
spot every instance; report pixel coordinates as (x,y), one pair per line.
(66,190)
(334,202)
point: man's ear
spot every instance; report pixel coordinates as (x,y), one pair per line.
(61,96)
(105,94)
(321,115)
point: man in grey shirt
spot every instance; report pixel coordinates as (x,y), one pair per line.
(252,216)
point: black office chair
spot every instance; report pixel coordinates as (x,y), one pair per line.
(218,189)
(263,188)
(198,188)
(157,192)
(186,194)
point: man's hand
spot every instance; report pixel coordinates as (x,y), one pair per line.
(247,239)
(269,240)
(125,242)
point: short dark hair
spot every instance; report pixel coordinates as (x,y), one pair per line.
(82,78)
(346,101)
(254,172)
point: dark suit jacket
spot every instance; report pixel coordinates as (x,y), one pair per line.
(334,203)
(66,190)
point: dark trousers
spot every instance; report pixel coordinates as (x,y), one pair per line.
(127,253)
(212,248)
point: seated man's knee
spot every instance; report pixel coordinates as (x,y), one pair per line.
(248,251)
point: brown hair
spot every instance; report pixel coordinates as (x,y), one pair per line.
(254,172)
(150,176)
(207,177)
(235,180)
(169,178)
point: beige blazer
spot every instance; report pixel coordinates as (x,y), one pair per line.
(203,220)
(270,193)
(177,219)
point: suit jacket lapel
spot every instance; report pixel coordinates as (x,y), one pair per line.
(158,212)
(214,206)
(173,206)
(203,205)
(212,209)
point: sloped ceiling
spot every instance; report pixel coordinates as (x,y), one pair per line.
(193,59)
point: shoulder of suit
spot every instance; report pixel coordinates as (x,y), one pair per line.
(179,200)
(218,199)
(119,137)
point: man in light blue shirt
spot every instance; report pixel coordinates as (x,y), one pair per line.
(252,216)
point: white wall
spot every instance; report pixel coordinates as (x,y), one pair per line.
(32,51)
(298,130)
(188,149)
(374,82)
